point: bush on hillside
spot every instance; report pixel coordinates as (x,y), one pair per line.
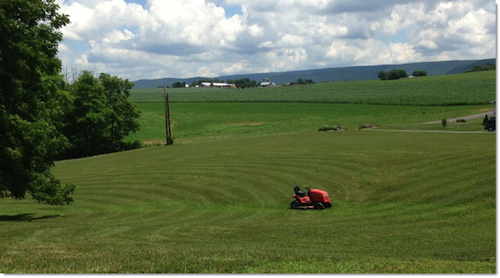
(444,123)
(394,74)
(419,73)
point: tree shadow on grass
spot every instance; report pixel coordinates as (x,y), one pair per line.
(25,217)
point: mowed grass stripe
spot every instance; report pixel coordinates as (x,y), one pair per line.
(446,173)
(279,171)
(223,206)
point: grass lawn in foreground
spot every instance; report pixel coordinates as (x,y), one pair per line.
(402,203)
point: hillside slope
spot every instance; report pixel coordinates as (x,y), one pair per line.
(403,203)
(333,74)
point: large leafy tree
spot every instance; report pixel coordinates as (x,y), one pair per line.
(124,116)
(31,102)
(102,115)
(87,119)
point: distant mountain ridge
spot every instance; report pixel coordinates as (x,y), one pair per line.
(354,73)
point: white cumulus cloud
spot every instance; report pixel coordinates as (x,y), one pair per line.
(186,38)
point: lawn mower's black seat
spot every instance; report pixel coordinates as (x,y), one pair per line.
(298,192)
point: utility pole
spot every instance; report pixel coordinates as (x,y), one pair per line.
(170,140)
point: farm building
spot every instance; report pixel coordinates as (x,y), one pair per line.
(267,83)
(218,85)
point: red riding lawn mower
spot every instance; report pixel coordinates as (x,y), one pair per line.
(314,199)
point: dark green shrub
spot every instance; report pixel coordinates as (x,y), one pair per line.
(444,123)
(419,73)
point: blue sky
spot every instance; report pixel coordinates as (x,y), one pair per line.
(147,39)
(140,2)
(232,10)
(399,37)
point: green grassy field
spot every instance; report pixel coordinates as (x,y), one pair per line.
(458,89)
(202,121)
(217,200)
(402,202)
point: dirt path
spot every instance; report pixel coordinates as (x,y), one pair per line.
(429,131)
(471,117)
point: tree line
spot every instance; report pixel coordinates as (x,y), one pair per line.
(301,81)
(395,74)
(42,117)
(486,67)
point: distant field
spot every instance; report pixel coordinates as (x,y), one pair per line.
(460,89)
(402,203)
(202,113)
(203,121)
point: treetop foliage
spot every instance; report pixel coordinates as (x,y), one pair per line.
(392,75)
(30,101)
(101,115)
(419,73)
(243,83)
